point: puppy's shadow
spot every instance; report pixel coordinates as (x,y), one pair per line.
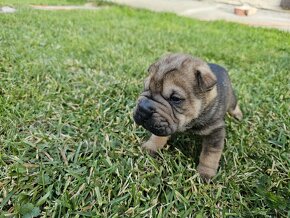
(188,143)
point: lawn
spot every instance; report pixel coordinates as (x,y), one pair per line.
(68,144)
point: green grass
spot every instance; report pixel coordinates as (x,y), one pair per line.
(43,2)
(69,147)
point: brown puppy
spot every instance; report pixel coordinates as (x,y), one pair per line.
(185,93)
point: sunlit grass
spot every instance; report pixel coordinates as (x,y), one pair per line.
(69,147)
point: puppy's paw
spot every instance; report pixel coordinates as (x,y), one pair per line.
(206,173)
(150,148)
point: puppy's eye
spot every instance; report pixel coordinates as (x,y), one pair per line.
(175,99)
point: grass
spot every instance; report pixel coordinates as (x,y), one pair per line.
(43,2)
(69,146)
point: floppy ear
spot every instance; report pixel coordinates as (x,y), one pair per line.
(153,67)
(205,78)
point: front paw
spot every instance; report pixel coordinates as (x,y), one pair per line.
(150,148)
(206,173)
(155,143)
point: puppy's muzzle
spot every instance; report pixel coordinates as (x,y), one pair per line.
(144,111)
(148,115)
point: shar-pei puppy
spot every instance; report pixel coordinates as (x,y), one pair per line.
(184,93)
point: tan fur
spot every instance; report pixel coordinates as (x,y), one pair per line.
(193,104)
(236,113)
(210,96)
(155,143)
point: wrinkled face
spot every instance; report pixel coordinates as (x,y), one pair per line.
(175,92)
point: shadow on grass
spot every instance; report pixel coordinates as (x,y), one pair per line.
(188,144)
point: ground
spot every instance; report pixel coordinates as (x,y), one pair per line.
(215,10)
(69,147)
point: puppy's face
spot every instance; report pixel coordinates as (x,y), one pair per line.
(176,91)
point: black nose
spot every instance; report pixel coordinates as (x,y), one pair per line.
(145,109)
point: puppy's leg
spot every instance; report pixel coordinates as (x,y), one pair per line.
(212,147)
(155,143)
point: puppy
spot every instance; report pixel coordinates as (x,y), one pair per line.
(185,93)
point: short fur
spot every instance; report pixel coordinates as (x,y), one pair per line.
(185,93)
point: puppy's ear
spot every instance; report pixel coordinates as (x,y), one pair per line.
(205,78)
(154,67)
